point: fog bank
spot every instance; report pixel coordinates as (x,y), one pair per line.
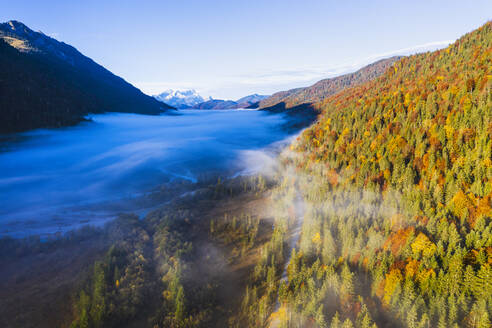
(56,180)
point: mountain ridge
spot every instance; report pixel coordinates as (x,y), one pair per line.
(250,101)
(398,181)
(324,88)
(190,99)
(46,83)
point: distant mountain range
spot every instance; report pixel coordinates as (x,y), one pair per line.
(47,83)
(299,98)
(217,104)
(180,99)
(183,99)
(323,89)
(251,101)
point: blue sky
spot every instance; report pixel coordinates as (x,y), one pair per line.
(228,49)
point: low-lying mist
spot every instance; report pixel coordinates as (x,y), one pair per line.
(56,180)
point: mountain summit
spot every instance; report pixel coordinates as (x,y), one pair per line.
(180,99)
(183,99)
(48,83)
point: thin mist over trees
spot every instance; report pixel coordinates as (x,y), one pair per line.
(396,180)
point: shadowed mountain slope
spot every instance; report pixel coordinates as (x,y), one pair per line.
(47,83)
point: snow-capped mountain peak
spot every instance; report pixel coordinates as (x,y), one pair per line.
(180,98)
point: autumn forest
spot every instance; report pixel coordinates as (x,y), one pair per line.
(377,212)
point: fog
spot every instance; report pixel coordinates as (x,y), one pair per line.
(58,179)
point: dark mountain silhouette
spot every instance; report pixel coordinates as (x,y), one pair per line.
(47,83)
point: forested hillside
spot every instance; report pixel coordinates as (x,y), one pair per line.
(47,83)
(394,182)
(378,215)
(325,88)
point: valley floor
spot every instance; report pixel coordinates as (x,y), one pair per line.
(40,281)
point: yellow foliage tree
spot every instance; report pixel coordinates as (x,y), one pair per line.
(316,238)
(392,281)
(424,245)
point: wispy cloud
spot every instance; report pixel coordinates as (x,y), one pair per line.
(279,79)
(319,72)
(430,46)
